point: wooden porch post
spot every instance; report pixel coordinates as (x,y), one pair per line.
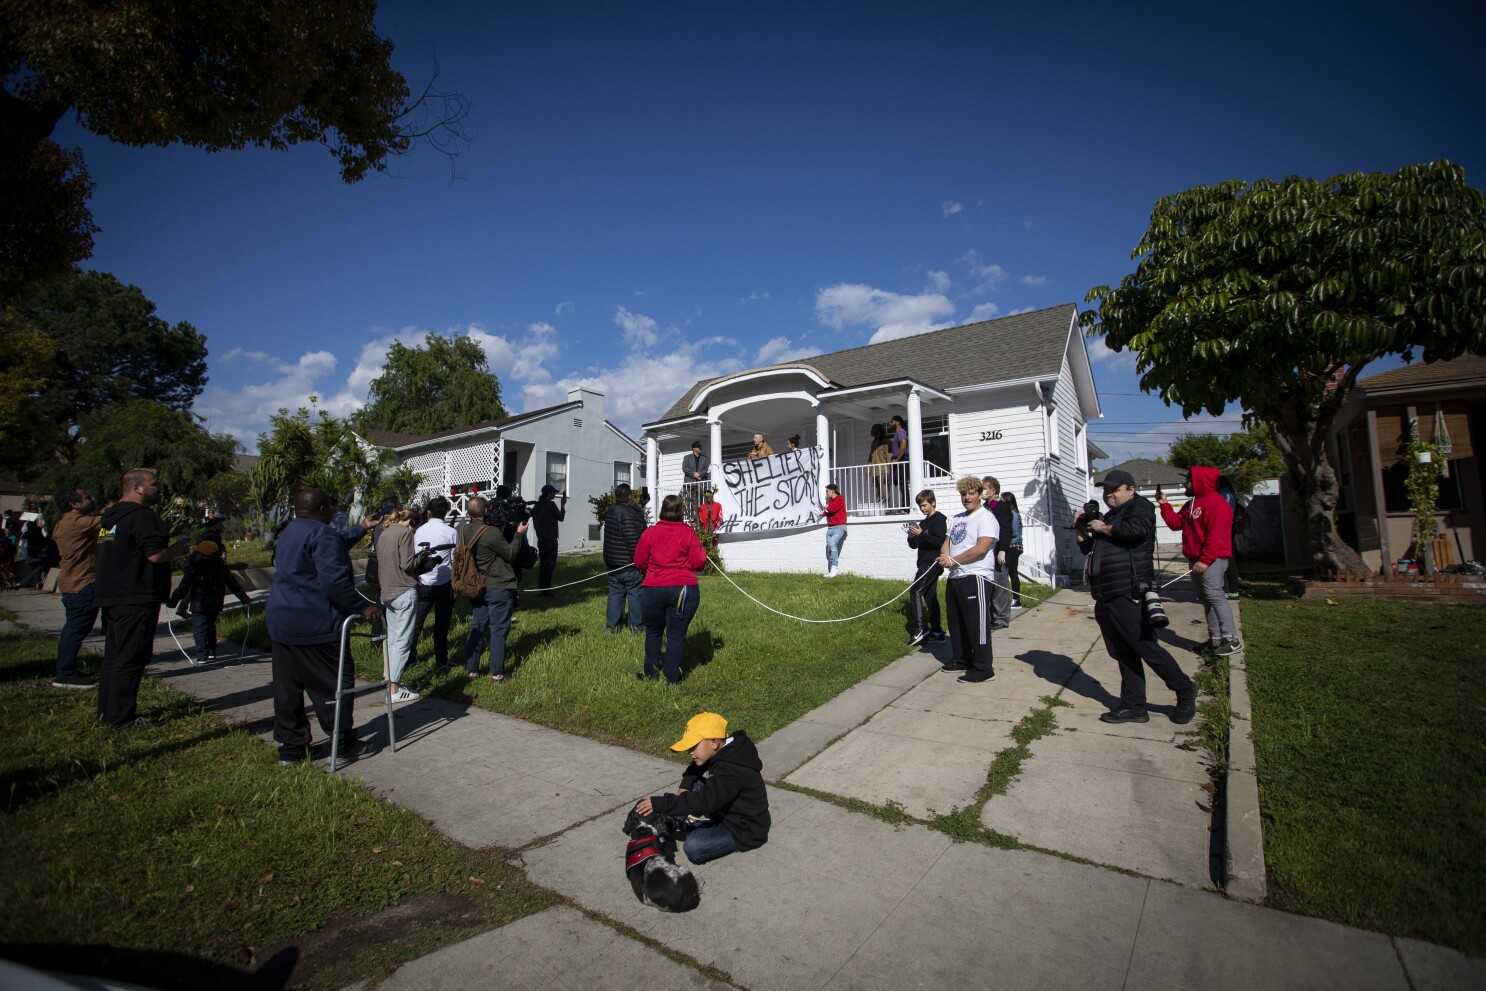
(915,446)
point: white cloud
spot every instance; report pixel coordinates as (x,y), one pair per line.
(639,330)
(641,387)
(1020,309)
(983,311)
(936,281)
(752,297)
(244,412)
(1033,280)
(1115,362)
(892,314)
(988,274)
(950,207)
(778,350)
(563,308)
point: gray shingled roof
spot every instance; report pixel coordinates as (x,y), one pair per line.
(383,438)
(1024,346)
(1146,473)
(1466,369)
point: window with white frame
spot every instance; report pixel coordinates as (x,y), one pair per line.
(1052,432)
(557,470)
(1080,444)
(621,473)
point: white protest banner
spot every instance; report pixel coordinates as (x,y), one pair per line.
(780,492)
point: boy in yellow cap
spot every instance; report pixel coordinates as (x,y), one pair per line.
(723,786)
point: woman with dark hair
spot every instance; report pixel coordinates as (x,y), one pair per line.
(670,555)
(1014,550)
(792,443)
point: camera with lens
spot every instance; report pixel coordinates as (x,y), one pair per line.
(1092,512)
(1150,605)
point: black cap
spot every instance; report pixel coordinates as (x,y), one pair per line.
(1118,477)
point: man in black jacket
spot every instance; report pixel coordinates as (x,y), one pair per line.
(623,524)
(1121,548)
(724,786)
(928,538)
(545,516)
(1001,590)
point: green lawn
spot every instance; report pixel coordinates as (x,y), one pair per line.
(157,855)
(1370,732)
(760,670)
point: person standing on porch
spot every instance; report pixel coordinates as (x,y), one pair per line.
(761,448)
(898,448)
(835,509)
(696,467)
(968,555)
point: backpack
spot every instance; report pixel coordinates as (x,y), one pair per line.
(464,577)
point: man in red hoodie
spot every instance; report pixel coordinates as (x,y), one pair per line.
(1205,522)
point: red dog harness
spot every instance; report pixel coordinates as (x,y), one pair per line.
(637,851)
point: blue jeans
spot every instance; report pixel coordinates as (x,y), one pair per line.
(81,615)
(835,537)
(401,612)
(668,610)
(490,616)
(1212,586)
(708,843)
(204,630)
(624,587)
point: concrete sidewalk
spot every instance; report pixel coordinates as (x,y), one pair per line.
(838,899)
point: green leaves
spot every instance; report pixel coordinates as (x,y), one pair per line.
(442,385)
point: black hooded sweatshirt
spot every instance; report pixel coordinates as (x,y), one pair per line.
(732,788)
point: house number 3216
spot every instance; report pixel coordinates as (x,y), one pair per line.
(990,435)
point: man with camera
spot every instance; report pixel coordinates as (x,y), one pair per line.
(1121,546)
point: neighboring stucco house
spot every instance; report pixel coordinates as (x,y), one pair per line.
(1010,397)
(569,446)
(1441,399)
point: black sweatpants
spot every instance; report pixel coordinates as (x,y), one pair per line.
(967,601)
(440,599)
(924,599)
(1132,642)
(308,669)
(128,645)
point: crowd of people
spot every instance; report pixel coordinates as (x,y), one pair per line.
(117,563)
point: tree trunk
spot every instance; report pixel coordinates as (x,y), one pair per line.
(1302,443)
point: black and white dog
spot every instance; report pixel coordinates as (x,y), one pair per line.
(650,863)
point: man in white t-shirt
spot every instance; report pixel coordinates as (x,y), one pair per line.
(969,558)
(434,591)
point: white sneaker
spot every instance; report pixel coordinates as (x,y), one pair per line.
(405,694)
(832,573)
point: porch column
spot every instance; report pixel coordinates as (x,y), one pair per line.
(915,446)
(714,452)
(652,469)
(823,441)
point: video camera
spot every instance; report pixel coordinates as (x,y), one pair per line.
(1092,512)
(506,512)
(427,557)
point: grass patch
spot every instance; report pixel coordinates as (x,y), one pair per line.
(760,670)
(1370,735)
(159,856)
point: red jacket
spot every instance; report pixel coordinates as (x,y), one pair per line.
(670,554)
(1206,522)
(836,511)
(709,515)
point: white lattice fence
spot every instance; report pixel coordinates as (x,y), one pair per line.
(473,470)
(434,470)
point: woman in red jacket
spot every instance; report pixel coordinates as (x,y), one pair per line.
(670,555)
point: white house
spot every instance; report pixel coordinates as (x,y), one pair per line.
(1008,397)
(569,446)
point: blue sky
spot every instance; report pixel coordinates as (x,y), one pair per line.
(663,191)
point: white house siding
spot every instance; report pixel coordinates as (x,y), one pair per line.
(874,548)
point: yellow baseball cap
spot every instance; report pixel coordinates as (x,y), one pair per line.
(207,548)
(703,726)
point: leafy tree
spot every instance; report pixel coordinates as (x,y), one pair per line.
(1247,458)
(217,76)
(107,347)
(309,447)
(443,385)
(25,362)
(1277,295)
(142,434)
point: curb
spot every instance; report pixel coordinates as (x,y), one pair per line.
(1243,833)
